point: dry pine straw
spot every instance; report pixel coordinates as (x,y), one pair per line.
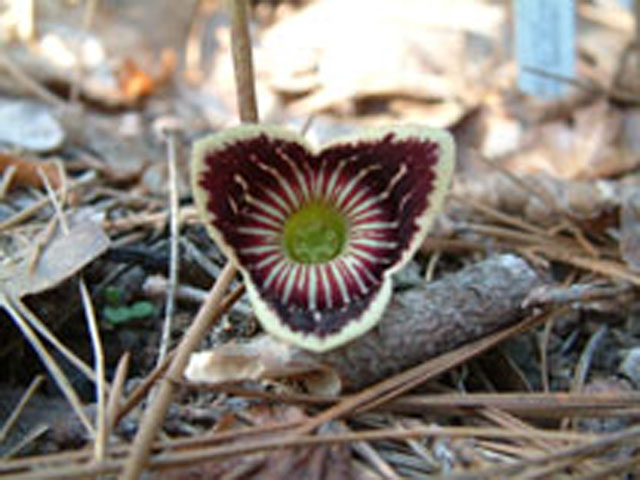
(207,447)
(570,448)
(513,236)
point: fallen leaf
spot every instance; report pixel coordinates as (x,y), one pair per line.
(26,174)
(264,358)
(62,257)
(29,126)
(134,82)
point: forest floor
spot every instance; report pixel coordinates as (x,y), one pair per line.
(101,249)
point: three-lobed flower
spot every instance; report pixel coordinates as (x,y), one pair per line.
(317,234)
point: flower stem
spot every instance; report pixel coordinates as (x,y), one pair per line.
(243,61)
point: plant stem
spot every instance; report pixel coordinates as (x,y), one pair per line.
(243,61)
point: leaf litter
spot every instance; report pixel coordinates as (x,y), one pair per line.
(551,390)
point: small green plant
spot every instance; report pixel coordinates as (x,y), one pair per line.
(115,313)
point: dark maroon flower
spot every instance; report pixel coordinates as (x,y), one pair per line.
(318,234)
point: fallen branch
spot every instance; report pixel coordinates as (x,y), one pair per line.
(420,323)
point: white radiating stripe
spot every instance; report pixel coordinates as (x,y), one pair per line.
(366,255)
(382,196)
(319,180)
(259,249)
(279,200)
(313,288)
(290,281)
(232,204)
(283,277)
(303,274)
(405,198)
(371,242)
(325,284)
(258,231)
(364,205)
(394,180)
(302,181)
(271,258)
(353,200)
(274,272)
(265,219)
(355,274)
(374,226)
(310,179)
(265,207)
(279,178)
(352,183)
(285,186)
(362,215)
(340,281)
(334,178)
(239,179)
(363,267)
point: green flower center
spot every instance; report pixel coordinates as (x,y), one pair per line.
(315,234)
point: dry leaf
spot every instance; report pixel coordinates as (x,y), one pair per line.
(29,126)
(135,83)
(264,358)
(298,57)
(26,174)
(62,257)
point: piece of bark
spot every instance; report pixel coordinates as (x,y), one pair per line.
(420,323)
(424,322)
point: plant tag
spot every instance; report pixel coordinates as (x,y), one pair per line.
(544,40)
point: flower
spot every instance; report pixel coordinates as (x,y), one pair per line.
(317,234)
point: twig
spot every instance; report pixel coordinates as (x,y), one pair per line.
(366,451)
(143,388)
(393,387)
(22,215)
(100,441)
(42,329)
(34,433)
(155,413)
(100,444)
(586,357)
(174,252)
(154,416)
(530,405)
(113,402)
(156,286)
(200,258)
(17,411)
(181,458)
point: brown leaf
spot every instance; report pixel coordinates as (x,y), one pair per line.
(25,171)
(133,81)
